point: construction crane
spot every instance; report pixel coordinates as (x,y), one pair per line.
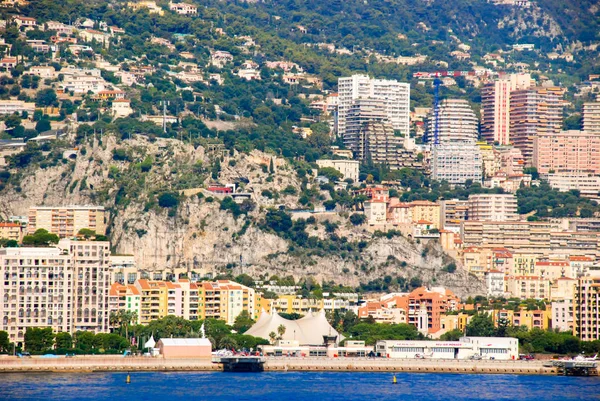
(436,111)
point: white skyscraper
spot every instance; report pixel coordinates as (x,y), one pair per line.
(456,158)
(395,95)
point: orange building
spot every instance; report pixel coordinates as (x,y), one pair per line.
(432,302)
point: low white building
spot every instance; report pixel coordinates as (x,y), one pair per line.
(183,8)
(16,106)
(348,168)
(502,348)
(43,71)
(121,108)
(376,212)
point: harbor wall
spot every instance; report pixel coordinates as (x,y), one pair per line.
(119,363)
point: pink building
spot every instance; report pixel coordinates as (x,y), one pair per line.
(185,347)
(495,106)
(567,151)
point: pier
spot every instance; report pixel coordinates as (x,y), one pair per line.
(576,368)
(241,363)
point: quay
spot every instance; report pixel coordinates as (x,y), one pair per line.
(274,364)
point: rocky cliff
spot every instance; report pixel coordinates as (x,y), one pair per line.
(197,235)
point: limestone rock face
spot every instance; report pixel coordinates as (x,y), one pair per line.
(197,235)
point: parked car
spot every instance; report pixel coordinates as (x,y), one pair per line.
(526,357)
(419,356)
(476,357)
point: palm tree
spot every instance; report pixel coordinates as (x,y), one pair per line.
(228,342)
(281,331)
(113,319)
(272,336)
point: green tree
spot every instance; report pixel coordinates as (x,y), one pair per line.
(86,233)
(4,342)
(243,322)
(84,340)
(452,335)
(63,340)
(331,173)
(46,97)
(43,125)
(481,325)
(38,339)
(40,238)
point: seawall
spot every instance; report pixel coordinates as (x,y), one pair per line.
(133,364)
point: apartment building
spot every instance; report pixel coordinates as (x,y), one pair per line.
(508,160)
(456,163)
(587,184)
(12,231)
(452,213)
(493,207)
(66,221)
(586,319)
(153,300)
(348,168)
(591,118)
(562,315)
(426,211)
(540,238)
(295,304)
(65,287)
(226,299)
(494,280)
(456,122)
(567,151)
(369,132)
(380,313)
(528,287)
(395,96)
(424,307)
(534,112)
(125,297)
(495,106)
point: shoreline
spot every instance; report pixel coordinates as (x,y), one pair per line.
(92,364)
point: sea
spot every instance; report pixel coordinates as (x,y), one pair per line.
(291,386)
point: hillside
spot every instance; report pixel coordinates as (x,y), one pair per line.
(199,235)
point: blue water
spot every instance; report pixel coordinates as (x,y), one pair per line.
(292,386)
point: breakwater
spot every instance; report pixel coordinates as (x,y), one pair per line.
(132,364)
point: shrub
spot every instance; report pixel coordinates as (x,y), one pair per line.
(168,200)
(358,219)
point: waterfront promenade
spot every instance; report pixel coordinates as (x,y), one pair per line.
(132,364)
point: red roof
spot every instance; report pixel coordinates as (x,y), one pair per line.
(8,224)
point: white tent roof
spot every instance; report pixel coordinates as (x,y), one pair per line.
(150,343)
(308,330)
(185,341)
